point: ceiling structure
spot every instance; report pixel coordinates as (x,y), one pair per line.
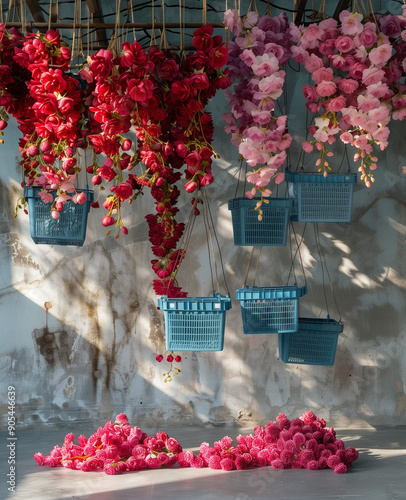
(94,22)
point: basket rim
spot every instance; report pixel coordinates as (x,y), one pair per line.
(242,202)
(256,292)
(318,177)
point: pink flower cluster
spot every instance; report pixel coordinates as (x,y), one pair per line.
(261,47)
(115,448)
(351,91)
(303,442)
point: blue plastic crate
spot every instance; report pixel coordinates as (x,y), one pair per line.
(270,309)
(195,323)
(270,231)
(314,343)
(319,198)
(68,229)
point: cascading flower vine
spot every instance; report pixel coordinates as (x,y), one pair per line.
(351,92)
(163,98)
(260,48)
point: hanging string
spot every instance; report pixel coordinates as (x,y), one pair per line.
(248,267)
(324,263)
(164,43)
(153,39)
(293,257)
(23,17)
(322,11)
(208,241)
(204,12)
(182,32)
(218,245)
(73,29)
(1,12)
(268,8)
(132,19)
(253,3)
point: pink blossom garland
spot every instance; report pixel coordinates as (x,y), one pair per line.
(260,48)
(351,92)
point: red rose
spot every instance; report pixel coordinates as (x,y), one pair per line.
(122,191)
(179,92)
(107,173)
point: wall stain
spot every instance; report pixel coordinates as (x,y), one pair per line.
(54,347)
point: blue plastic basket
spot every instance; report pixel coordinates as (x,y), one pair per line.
(314,343)
(270,309)
(270,231)
(195,323)
(68,229)
(319,198)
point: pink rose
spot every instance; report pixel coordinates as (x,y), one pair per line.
(312,63)
(344,44)
(306,146)
(367,38)
(381,54)
(327,47)
(325,88)
(356,70)
(299,54)
(337,103)
(347,85)
(323,74)
(372,75)
(310,92)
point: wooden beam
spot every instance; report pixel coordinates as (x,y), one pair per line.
(341,5)
(95,25)
(95,9)
(300,7)
(35,10)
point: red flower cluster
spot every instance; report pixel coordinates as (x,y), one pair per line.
(285,444)
(164,99)
(53,122)
(114,448)
(13,89)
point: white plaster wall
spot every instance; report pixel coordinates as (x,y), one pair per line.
(98,357)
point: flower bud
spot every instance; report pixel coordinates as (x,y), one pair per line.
(108,221)
(32,150)
(190,186)
(96,180)
(124,230)
(159,357)
(55,214)
(126,146)
(3,124)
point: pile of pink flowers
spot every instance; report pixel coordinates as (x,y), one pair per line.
(351,91)
(117,447)
(303,442)
(260,48)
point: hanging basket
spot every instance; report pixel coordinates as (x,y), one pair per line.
(313,344)
(195,323)
(270,309)
(68,229)
(270,231)
(321,199)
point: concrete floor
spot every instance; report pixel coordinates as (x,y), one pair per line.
(379,472)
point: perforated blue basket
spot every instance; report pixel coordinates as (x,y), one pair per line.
(270,309)
(195,323)
(270,231)
(68,229)
(314,343)
(319,198)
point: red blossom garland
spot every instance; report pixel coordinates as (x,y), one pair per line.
(163,97)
